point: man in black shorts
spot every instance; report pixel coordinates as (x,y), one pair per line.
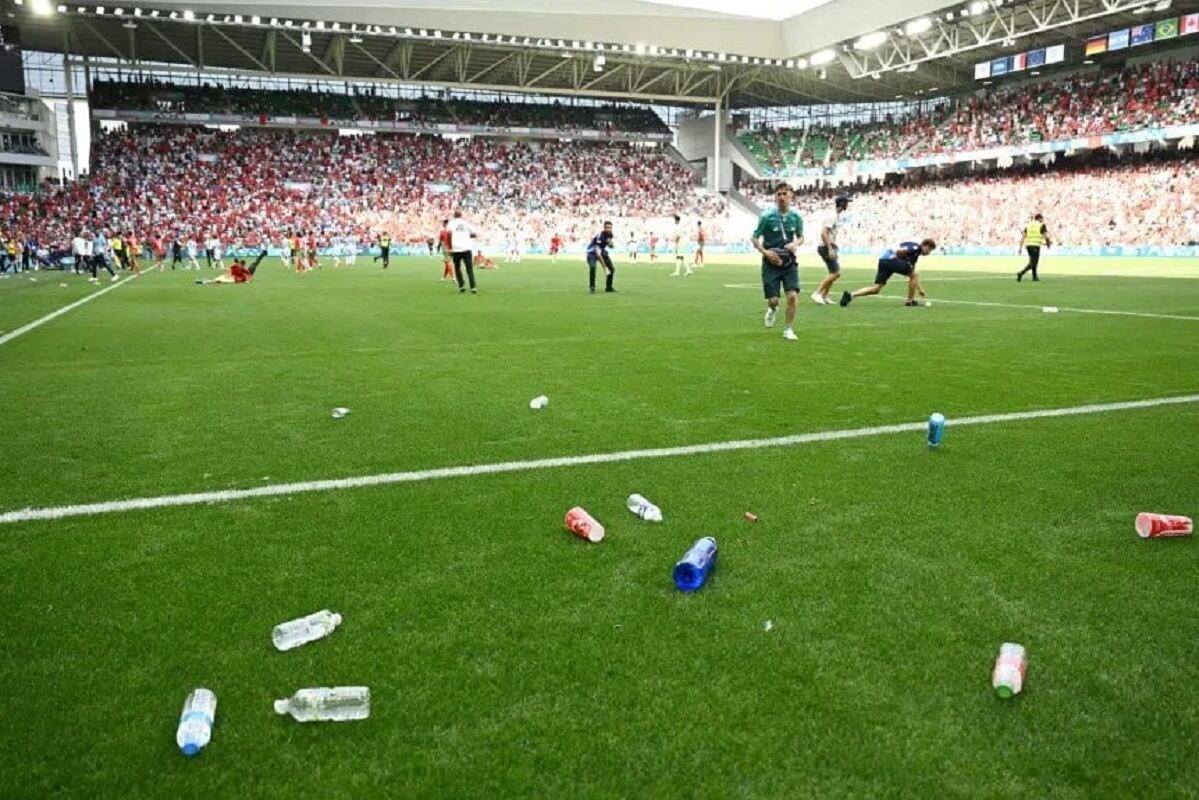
(900,261)
(778,237)
(829,251)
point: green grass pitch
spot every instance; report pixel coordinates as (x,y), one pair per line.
(508,658)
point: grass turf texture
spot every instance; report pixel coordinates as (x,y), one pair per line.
(507,657)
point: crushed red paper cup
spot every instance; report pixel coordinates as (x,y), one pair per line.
(1156,526)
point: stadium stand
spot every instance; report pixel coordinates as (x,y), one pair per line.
(1083,104)
(169,97)
(257,185)
(1093,200)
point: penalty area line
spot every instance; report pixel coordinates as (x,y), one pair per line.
(37,323)
(472,470)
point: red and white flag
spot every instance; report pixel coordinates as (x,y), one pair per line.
(1189,24)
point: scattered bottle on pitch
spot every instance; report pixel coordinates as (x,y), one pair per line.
(936,430)
(305,629)
(539,402)
(644,508)
(693,568)
(324,704)
(1008,676)
(195,723)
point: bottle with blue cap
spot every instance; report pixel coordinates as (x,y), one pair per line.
(195,723)
(936,430)
(693,568)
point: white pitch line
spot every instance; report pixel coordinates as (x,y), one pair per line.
(1065,309)
(37,323)
(303,487)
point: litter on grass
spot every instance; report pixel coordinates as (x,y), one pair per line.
(768,626)
(1050,309)
(339,412)
(539,402)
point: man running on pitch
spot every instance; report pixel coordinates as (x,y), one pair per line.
(829,251)
(900,261)
(778,237)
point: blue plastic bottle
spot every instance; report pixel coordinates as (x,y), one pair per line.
(936,429)
(692,570)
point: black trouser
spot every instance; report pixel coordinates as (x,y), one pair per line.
(385,254)
(97,262)
(465,258)
(1034,258)
(176,258)
(609,270)
(208,257)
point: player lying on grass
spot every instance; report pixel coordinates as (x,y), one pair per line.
(900,261)
(238,272)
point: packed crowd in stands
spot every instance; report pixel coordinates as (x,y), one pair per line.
(367,104)
(1084,104)
(256,186)
(1088,200)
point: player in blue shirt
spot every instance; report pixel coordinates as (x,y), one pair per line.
(597,253)
(900,261)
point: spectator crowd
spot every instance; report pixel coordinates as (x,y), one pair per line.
(1088,201)
(258,186)
(1088,103)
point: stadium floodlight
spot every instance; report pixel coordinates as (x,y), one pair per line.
(211,17)
(1161,5)
(870,41)
(640,49)
(823,57)
(118,12)
(255,20)
(822,74)
(436,34)
(189,15)
(306,42)
(99,11)
(355,39)
(978,7)
(42,8)
(801,63)
(320,24)
(407,31)
(628,49)
(917,26)
(790,64)
(62,9)
(394,32)
(238,19)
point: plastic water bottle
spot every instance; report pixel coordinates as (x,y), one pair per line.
(539,402)
(936,429)
(692,570)
(307,629)
(195,723)
(644,508)
(340,412)
(1008,677)
(324,704)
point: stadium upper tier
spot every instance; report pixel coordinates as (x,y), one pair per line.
(153,96)
(257,185)
(1084,104)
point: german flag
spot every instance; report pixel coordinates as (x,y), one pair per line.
(1096,45)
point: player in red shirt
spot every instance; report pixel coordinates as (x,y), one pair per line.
(555,247)
(653,247)
(447,271)
(700,237)
(238,272)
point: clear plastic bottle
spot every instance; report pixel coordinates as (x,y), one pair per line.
(1008,677)
(693,568)
(324,704)
(644,508)
(307,629)
(195,723)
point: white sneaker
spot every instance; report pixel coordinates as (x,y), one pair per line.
(674,274)
(115,278)
(828,301)
(769,318)
(818,299)
(93,280)
(790,336)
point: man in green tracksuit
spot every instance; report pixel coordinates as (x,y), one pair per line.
(778,237)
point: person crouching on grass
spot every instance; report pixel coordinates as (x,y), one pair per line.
(900,261)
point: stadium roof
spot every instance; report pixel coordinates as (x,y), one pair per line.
(788,52)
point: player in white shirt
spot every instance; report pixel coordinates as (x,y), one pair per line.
(192,250)
(335,248)
(217,254)
(680,260)
(351,249)
(461,244)
(79,252)
(828,251)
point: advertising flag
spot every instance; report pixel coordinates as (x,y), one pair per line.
(1117,40)
(1000,66)
(1190,24)
(1036,58)
(1019,62)
(1055,54)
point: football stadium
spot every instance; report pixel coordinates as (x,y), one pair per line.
(621,399)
